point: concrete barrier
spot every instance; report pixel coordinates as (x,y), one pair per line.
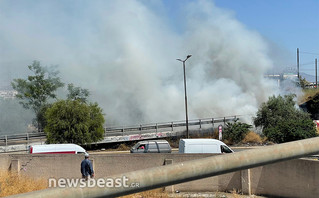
(5,161)
(293,178)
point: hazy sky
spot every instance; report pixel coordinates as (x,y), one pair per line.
(125,52)
(289,24)
(286,24)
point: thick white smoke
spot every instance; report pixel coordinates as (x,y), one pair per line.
(125,54)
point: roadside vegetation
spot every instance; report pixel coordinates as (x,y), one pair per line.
(236,132)
(281,121)
(73,120)
(12,183)
(159,193)
(308,94)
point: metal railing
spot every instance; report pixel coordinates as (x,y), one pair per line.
(168,125)
(26,138)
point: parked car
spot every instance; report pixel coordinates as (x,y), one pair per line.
(152,146)
(203,146)
(56,149)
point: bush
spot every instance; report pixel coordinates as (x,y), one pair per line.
(252,137)
(72,121)
(291,130)
(123,147)
(235,132)
(281,121)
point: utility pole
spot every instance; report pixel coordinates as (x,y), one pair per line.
(186,111)
(298,62)
(316,74)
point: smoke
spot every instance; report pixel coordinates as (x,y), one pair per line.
(13,119)
(125,54)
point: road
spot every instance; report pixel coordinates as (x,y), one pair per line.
(174,150)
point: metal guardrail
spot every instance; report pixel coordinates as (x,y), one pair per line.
(25,136)
(119,131)
(168,125)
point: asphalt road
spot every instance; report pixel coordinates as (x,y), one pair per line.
(174,150)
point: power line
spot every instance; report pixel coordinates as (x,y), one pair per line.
(310,53)
(310,63)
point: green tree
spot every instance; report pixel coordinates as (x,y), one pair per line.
(36,90)
(75,122)
(236,132)
(281,121)
(40,116)
(77,93)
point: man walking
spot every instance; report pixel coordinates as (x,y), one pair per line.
(86,168)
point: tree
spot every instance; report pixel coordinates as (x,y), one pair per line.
(36,90)
(281,121)
(236,132)
(75,122)
(77,93)
(302,82)
(40,116)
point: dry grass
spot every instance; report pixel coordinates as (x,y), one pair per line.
(150,193)
(252,137)
(12,183)
(123,147)
(308,94)
(215,134)
(159,193)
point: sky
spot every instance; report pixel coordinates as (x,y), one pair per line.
(124,52)
(288,24)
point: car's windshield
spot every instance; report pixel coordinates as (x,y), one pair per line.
(225,149)
(136,146)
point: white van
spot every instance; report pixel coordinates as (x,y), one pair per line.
(57,149)
(203,146)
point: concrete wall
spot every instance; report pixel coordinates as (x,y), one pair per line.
(294,178)
(5,161)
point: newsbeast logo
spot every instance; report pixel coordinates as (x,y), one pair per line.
(101,183)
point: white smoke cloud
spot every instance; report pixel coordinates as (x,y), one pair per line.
(125,54)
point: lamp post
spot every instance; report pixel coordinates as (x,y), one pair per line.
(188,56)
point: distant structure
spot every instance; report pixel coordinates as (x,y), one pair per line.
(6,92)
(281,77)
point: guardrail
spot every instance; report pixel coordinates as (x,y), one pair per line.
(167,125)
(121,131)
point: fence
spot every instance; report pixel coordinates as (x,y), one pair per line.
(119,134)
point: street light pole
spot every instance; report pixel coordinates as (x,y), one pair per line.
(188,56)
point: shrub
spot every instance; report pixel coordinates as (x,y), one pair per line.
(235,132)
(252,137)
(73,121)
(281,121)
(123,147)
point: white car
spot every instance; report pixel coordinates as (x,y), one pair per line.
(57,149)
